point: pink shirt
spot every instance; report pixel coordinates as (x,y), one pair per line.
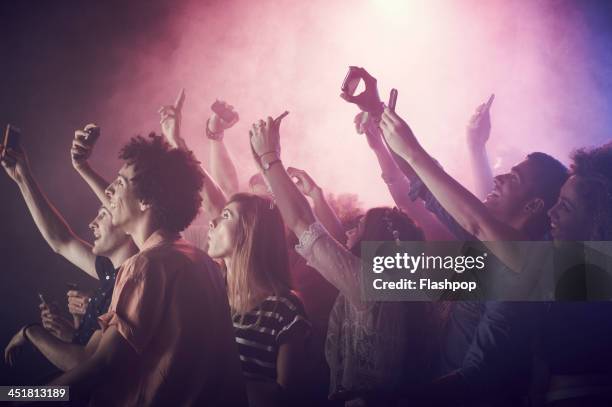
(170,304)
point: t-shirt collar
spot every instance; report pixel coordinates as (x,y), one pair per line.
(159,237)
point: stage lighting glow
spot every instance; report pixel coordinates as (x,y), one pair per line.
(445,58)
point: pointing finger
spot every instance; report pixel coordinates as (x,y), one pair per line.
(180,99)
(490,101)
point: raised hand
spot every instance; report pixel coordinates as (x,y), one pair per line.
(82,144)
(265,137)
(365,123)
(303,181)
(369,99)
(170,119)
(479,127)
(55,323)
(15,163)
(216,125)
(397,133)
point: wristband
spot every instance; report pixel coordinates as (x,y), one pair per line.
(267,165)
(268,152)
(218,136)
(268,158)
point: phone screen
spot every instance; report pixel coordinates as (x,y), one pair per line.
(12,137)
(92,135)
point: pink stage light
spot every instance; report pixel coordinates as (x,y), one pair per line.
(444,57)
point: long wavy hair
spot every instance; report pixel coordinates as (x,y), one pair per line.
(260,263)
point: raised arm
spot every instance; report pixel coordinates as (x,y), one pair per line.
(294,207)
(324,213)
(460,203)
(222,167)
(322,252)
(82,147)
(398,180)
(478,132)
(213,197)
(466,208)
(54,229)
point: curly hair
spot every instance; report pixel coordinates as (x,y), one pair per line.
(169,179)
(594,167)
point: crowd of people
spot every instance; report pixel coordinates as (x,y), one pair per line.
(215,295)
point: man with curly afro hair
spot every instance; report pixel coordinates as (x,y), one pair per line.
(167,338)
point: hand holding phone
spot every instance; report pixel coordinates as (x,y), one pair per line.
(12,139)
(83,143)
(92,133)
(368,100)
(72,286)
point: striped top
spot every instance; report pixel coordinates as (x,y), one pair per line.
(258,343)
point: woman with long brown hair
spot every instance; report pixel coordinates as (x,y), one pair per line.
(248,238)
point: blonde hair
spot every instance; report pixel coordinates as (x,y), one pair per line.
(260,262)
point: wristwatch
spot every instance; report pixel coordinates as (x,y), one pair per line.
(268,159)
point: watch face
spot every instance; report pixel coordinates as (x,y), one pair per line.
(267,164)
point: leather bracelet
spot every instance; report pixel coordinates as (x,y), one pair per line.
(218,136)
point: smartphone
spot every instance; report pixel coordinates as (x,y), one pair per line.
(12,138)
(42,299)
(92,135)
(72,286)
(351,81)
(392,99)
(227,115)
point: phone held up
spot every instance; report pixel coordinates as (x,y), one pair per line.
(351,81)
(12,138)
(392,99)
(368,100)
(93,133)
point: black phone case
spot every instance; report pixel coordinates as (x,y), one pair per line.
(12,137)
